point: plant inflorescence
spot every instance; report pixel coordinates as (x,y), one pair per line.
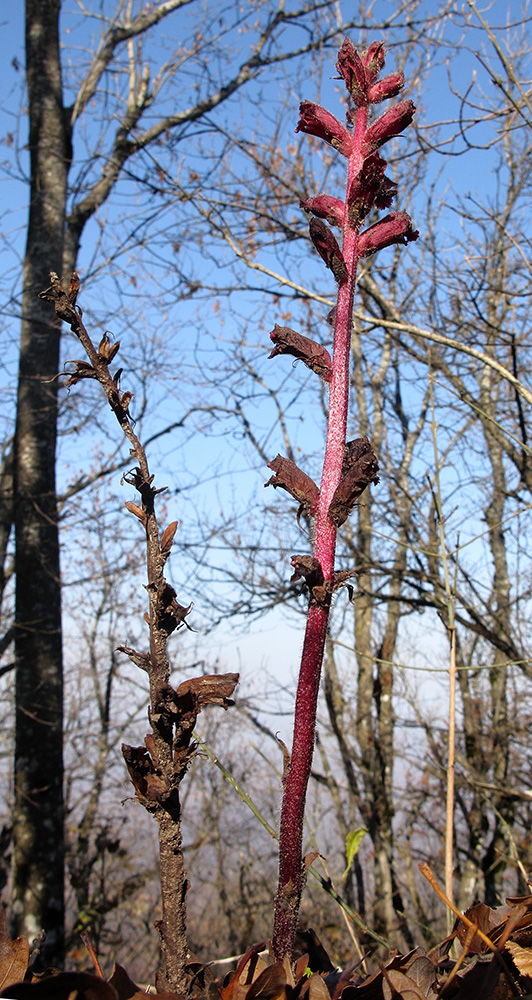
(348,466)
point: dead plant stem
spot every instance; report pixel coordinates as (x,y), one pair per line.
(451,630)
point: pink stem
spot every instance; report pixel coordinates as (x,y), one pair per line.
(291,872)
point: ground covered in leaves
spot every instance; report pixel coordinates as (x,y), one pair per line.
(487,957)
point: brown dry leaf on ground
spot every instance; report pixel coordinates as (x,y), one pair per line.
(14,955)
(270,985)
(126,989)
(315,988)
(236,984)
(64,986)
(481,972)
(82,986)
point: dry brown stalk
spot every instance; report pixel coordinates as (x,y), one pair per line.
(158,766)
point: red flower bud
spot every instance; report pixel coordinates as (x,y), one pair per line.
(390,124)
(351,69)
(395,228)
(374,60)
(315,120)
(389,86)
(325,207)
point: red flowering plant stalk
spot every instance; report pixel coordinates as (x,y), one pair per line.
(348,468)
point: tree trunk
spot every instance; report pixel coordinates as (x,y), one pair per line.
(38,877)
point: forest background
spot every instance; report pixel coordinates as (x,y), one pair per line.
(197,249)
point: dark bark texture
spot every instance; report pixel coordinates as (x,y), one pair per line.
(38,878)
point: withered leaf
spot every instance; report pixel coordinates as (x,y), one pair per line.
(106,350)
(314,355)
(296,482)
(83,370)
(519,900)
(160,996)
(340,577)
(249,968)
(301,966)
(134,508)
(126,989)
(370,187)
(141,660)
(286,758)
(211,689)
(168,537)
(318,957)
(517,926)
(486,919)
(480,981)
(254,966)
(522,958)
(63,306)
(309,569)
(423,973)
(73,287)
(317,989)
(82,365)
(359,470)
(523,932)
(327,246)
(270,985)
(148,785)
(14,955)
(287,965)
(63,986)
(396,983)
(171,614)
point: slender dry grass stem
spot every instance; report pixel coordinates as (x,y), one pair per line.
(450,589)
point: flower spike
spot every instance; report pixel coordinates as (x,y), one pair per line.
(348,469)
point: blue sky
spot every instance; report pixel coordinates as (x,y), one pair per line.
(208,460)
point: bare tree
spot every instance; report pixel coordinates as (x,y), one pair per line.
(464,322)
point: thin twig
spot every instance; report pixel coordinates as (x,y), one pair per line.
(87,941)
